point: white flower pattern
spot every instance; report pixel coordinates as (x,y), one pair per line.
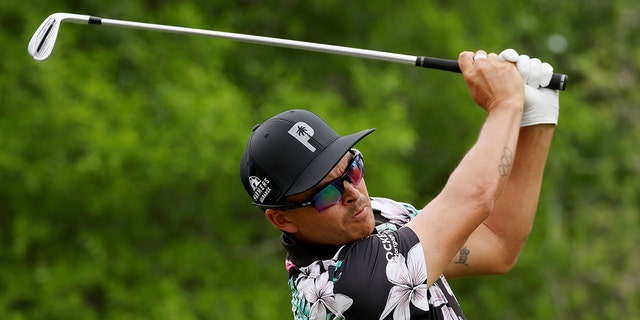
(409,284)
(319,292)
(316,288)
(397,212)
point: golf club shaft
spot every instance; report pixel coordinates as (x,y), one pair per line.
(558,81)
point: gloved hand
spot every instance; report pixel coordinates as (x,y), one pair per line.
(541,105)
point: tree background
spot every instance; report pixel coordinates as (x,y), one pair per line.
(119,188)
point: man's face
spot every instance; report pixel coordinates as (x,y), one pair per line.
(348,220)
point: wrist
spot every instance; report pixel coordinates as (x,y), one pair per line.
(512,105)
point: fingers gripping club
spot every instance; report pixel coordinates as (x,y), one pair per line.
(541,105)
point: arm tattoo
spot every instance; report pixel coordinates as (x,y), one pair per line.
(464,254)
(506,162)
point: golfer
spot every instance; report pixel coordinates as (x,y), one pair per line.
(354,256)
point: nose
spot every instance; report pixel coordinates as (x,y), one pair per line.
(350,193)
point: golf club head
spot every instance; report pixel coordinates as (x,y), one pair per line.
(44,39)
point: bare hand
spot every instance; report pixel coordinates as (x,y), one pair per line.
(492,83)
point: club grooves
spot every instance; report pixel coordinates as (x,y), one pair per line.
(46,34)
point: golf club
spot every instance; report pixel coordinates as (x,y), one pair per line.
(43,41)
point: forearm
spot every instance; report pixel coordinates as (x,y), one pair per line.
(470,193)
(512,217)
(494,246)
(469,196)
(488,164)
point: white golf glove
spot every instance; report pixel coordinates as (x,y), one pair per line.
(541,105)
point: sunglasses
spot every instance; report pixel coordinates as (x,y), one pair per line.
(331,194)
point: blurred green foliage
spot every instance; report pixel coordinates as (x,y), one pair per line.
(119,193)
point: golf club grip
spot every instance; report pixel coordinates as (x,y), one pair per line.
(558,80)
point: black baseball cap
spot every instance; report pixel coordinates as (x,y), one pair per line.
(289,154)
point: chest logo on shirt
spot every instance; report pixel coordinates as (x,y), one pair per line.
(390,245)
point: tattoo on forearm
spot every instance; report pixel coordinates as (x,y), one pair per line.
(464,254)
(506,162)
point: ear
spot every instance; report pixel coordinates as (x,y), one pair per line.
(280,220)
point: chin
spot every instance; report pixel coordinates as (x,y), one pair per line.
(369,225)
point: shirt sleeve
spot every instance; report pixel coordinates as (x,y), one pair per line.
(383,274)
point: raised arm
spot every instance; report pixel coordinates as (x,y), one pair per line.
(496,244)
(470,194)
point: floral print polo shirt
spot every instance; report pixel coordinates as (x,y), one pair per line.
(380,277)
